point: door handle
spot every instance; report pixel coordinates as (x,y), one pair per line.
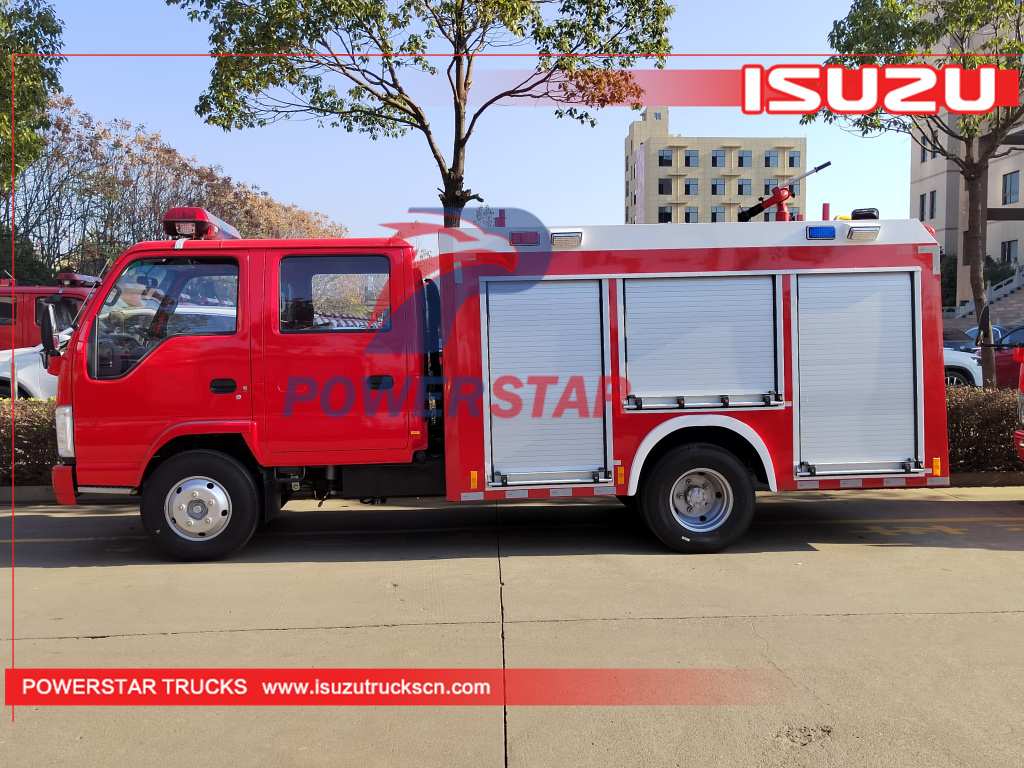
(380,382)
(223,386)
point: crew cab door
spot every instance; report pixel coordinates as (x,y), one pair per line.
(166,353)
(337,375)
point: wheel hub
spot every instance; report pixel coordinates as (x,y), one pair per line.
(198,508)
(702,500)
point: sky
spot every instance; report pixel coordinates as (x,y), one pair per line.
(521,157)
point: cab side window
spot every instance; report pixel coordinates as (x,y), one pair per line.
(335,294)
(7,307)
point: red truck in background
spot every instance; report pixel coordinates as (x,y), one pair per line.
(22,306)
(679,368)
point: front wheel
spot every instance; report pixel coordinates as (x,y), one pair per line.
(200,505)
(698,498)
(955,378)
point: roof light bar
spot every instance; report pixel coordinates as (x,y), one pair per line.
(197,224)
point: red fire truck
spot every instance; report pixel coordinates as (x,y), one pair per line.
(679,368)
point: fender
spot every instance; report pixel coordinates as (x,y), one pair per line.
(246,429)
(664,429)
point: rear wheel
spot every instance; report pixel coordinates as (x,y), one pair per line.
(698,498)
(200,505)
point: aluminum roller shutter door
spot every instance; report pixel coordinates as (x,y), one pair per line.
(548,328)
(857,371)
(700,336)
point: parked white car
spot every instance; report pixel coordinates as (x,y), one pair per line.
(963,369)
(33,380)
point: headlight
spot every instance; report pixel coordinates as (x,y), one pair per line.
(65,432)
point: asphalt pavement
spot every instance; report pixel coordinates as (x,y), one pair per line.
(895,618)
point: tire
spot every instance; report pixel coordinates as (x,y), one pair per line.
(720,490)
(5,390)
(183,481)
(955,378)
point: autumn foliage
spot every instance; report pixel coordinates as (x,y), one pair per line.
(99,187)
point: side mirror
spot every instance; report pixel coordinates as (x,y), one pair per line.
(49,338)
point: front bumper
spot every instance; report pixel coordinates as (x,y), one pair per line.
(63,476)
(1018,443)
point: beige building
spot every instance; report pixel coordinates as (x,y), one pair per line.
(937,198)
(701,179)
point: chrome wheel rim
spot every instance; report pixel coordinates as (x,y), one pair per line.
(955,380)
(701,500)
(198,508)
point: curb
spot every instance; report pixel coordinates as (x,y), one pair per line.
(43,494)
(985,479)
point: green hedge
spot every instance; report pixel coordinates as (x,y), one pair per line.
(35,441)
(981,425)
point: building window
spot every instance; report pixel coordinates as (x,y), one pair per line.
(743,187)
(634,198)
(665,214)
(634,170)
(1011,187)
(657,115)
(771,158)
(794,159)
(691,159)
(690,187)
(769,185)
(665,157)
(769,215)
(627,163)
(718,158)
(1008,251)
(794,188)
(924,150)
(935,144)
(794,211)
(664,186)
(627,187)
(718,186)
(920,209)
(744,159)
(717,213)
(931,204)
(690,215)
(627,215)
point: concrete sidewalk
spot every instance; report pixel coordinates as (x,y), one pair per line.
(896,614)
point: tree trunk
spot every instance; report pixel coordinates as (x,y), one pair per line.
(973,239)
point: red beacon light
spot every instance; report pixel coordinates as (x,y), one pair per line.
(75,280)
(197,224)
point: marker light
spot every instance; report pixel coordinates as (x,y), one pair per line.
(566,239)
(861,234)
(821,233)
(524,238)
(197,224)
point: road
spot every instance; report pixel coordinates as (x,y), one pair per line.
(895,616)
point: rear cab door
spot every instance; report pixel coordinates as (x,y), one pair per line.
(339,384)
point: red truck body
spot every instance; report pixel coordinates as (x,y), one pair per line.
(678,368)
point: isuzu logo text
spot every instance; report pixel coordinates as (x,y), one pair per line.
(912,89)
